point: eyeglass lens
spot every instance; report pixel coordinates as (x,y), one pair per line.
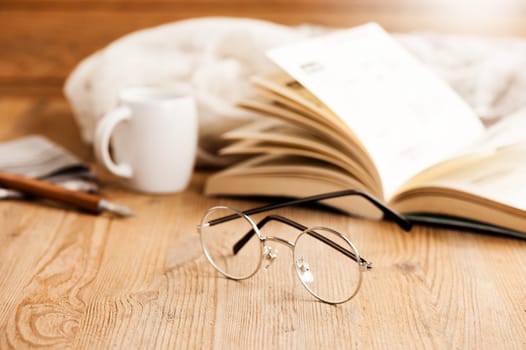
(218,240)
(323,270)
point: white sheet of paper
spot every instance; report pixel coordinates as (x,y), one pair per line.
(407,118)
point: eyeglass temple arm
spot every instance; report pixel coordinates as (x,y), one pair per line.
(244,240)
(387,212)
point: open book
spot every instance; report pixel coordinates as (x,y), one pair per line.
(353,110)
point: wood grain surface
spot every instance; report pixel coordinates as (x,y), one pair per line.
(70,280)
(73,280)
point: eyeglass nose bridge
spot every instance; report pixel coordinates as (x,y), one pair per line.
(279,240)
(269,253)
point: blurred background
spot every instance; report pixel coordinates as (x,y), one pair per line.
(41,41)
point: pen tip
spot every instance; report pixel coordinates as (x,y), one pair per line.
(120,210)
(123,211)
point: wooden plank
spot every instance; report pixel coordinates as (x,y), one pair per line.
(71,280)
(472,7)
(50,117)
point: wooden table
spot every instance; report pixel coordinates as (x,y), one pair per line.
(72,280)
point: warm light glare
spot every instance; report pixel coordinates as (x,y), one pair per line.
(477,8)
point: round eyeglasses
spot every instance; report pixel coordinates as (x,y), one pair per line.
(326,262)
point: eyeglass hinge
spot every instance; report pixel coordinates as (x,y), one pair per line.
(365,265)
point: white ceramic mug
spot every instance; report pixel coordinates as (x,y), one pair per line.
(153,134)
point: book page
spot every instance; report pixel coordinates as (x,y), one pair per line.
(285,92)
(291,176)
(280,84)
(276,137)
(508,131)
(496,175)
(407,118)
(351,148)
(494,144)
(337,140)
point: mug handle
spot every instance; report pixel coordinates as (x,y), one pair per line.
(103,133)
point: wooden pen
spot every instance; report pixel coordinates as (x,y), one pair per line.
(90,202)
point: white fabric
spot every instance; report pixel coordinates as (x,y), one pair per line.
(489,73)
(213,59)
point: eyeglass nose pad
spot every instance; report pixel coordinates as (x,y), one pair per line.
(269,255)
(304,270)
